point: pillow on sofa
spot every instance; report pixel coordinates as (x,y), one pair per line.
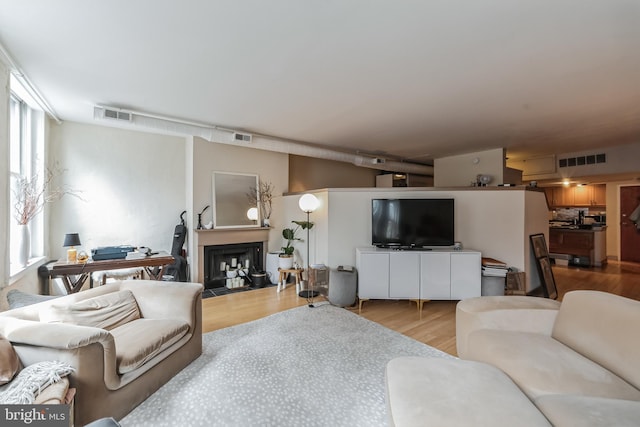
(106,311)
(9,362)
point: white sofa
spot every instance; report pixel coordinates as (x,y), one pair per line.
(124,339)
(529,362)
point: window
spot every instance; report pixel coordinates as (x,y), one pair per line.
(26,151)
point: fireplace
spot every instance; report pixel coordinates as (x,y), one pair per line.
(220,258)
(203,239)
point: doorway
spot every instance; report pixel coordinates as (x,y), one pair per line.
(629,232)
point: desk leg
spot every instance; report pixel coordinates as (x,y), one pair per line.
(74,286)
(153,276)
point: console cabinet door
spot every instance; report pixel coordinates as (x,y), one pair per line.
(435,276)
(466,271)
(404,275)
(373,276)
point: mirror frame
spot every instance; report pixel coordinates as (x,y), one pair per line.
(221,197)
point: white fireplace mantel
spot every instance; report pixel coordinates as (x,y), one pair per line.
(226,236)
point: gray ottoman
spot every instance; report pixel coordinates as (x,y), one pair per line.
(343,287)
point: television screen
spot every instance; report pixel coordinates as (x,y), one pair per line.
(412,222)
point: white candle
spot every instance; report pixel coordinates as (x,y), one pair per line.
(223,266)
(246,263)
(234,262)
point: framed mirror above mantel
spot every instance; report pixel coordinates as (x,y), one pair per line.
(231,204)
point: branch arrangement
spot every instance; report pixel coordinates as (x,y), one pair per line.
(262,196)
(32,194)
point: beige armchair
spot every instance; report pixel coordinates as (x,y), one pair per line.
(125,340)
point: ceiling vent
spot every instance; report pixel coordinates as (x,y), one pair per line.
(591,159)
(241,137)
(109,113)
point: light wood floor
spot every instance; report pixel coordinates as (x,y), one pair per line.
(437,326)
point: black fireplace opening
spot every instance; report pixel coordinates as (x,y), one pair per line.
(219,258)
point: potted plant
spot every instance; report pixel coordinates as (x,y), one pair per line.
(285,261)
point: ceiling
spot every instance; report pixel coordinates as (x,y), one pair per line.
(413,80)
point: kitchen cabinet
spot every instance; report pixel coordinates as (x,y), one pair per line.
(558,196)
(582,196)
(599,196)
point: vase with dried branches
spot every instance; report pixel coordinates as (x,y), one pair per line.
(30,197)
(262,197)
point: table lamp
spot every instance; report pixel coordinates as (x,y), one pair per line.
(71,240)
(252,214)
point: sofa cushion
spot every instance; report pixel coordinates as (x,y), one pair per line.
(142,339)
(542,365)
(587,411)
(424,391)
(9,362)
(603,328)
(511,313)
(106,311)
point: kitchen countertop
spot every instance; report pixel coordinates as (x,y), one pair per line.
(584,227)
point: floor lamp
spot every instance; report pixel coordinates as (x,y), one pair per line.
(308,203)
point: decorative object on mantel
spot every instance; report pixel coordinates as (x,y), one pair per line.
(31,195)
(263,197)
(308,203)
(200,217)
(252,214)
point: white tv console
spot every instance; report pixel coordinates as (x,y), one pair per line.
(417,275)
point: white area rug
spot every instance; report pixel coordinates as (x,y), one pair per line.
(321,366)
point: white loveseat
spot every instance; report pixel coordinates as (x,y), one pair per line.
(124,339)
(529,362)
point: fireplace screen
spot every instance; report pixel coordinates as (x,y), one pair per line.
(244,258)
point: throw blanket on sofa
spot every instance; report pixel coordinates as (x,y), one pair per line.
(30,381)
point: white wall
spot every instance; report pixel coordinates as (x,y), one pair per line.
(495,221)
(132,185)
(208,157)
(462,170)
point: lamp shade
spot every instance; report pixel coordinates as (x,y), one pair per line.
(252,214)
(308,203)
(71,239)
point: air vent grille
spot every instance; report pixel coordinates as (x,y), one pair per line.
(591,159)
(117,115)
(241,137)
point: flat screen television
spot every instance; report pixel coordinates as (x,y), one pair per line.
(412,223)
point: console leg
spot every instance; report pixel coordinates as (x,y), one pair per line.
(360,304)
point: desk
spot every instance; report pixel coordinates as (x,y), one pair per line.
(66,269)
